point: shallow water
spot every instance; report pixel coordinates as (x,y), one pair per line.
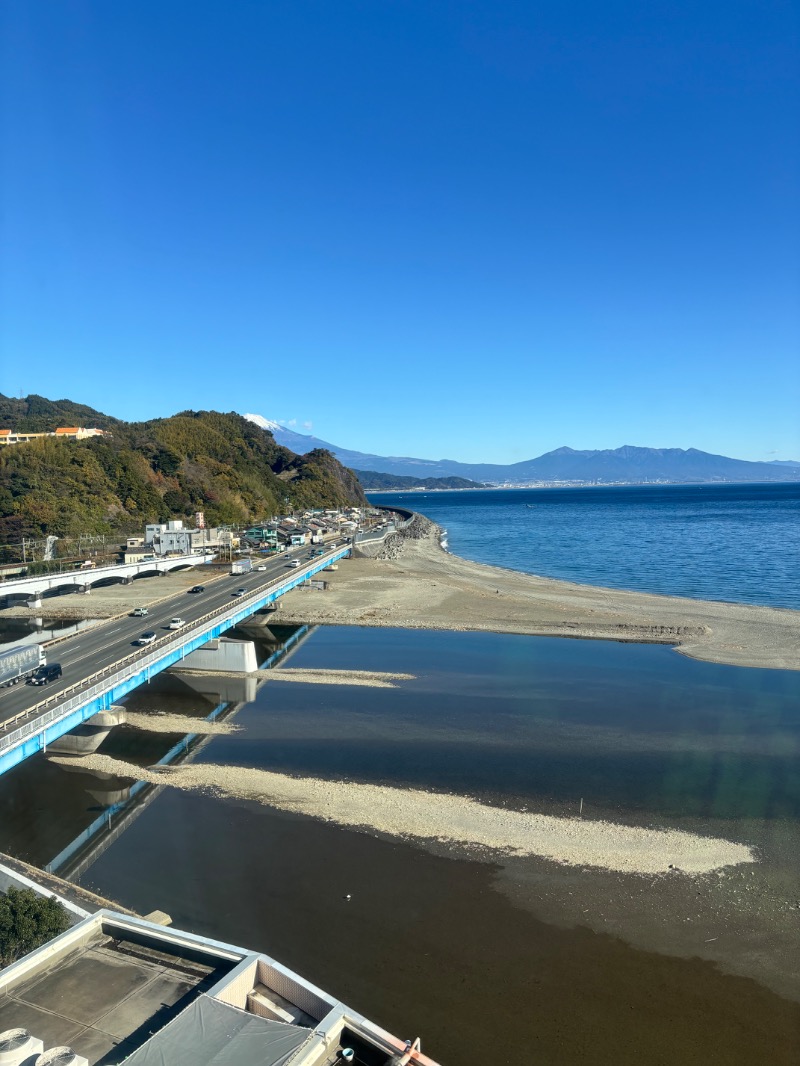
(39,630)
(479,955)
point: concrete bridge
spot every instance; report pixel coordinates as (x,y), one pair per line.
(31,589)
(39,725)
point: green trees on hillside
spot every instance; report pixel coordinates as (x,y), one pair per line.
(152,471)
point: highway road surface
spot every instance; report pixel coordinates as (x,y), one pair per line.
(83,654)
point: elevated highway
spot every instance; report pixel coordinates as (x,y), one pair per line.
(102,665)
(33,588)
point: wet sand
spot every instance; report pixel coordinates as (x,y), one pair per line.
(412,582)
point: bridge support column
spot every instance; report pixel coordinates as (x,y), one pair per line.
(88,737)
(223,656)
(35,602)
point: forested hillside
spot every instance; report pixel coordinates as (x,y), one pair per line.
(140,472)
(374,479)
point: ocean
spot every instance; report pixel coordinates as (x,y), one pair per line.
(494,956)
(738,543)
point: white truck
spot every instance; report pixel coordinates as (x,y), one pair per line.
(241,566)
(19,663)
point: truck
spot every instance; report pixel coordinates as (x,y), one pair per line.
(241,566)
(20,662)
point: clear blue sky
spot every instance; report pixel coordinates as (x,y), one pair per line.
(475,230)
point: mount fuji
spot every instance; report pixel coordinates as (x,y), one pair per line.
(627,464)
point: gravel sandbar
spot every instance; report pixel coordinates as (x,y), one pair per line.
(161,722)
(371,678)
(454,820)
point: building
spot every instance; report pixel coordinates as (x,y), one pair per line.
(267,536)
(165,538)
(137,553)
(115,987)
(9,436)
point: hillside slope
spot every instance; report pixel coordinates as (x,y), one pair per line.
(220,464)
(376,481)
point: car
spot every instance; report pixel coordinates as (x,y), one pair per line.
(139,612)
(146,638)
(176,623)
(197,588)
(261,568)
(293,562)
(240,592)
(44,674)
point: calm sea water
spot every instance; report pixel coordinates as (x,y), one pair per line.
(739,543)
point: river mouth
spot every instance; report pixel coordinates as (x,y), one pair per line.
(470,942)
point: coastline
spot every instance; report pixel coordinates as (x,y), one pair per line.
(410,581)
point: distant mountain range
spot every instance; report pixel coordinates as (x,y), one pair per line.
(627,464)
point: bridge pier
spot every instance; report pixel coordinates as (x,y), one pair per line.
(241,688)
(88,737)
(223,655)
(35,602)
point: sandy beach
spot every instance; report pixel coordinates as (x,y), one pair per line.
(409,580)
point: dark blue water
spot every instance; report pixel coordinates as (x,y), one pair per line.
(739,543)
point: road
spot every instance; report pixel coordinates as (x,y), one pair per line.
(84,653)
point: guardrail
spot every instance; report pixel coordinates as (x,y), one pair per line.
(136,662)
(106,571)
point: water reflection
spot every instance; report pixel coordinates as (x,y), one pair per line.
(40,629)
(53,810)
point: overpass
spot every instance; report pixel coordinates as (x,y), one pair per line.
(36,726)
(32,588)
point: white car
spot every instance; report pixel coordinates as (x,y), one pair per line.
(146,638)
(261,568)
(176,623)
(294,562)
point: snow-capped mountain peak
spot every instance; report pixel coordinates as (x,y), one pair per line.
(263,422)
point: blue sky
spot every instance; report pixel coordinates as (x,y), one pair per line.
(473,230)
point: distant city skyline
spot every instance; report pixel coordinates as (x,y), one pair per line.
(474,232)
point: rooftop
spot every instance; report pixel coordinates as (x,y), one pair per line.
(117,988)
(105,998)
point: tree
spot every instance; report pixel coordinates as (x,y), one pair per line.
(28,920)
